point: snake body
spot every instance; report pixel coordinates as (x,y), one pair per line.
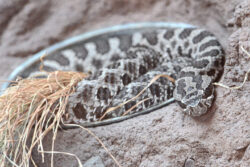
(122,63)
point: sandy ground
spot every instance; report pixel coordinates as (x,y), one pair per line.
(162,138)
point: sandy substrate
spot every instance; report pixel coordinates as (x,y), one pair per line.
(162,138)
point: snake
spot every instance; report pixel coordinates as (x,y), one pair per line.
(122,63)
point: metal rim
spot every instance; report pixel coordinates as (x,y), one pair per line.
(85,36)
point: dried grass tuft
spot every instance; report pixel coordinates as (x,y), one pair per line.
(37,104)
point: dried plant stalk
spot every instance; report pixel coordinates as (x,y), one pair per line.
(33,103)
(245,78)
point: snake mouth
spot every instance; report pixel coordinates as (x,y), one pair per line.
(197,103)
(200,107)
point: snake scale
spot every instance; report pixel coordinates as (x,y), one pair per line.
(122,63)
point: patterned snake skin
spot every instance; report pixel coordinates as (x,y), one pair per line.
(123,63)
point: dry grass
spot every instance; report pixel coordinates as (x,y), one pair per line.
(38,105)
(33,103)
(245,78)
(140,93)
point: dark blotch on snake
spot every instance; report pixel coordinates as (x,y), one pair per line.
(103,93)
(58,57)
(177,69)
(180,87)
(97,63)
(147,59)
(80,111)
(208,91)
(190,51)
(151,37)
(211,53)
(201,36)
(169,53)
(125,42)
(126,79)
(131,67)
(187,74)
(115,57)
(209,43)
(186,44)
(98,112)
(81,51)
(155,90)
(142,69)
(79,68)
(169,34)
(198,80)
(219,62)
(102,46)
(216,63)
(200,64)
(180,51)
(86,93)
(185,33)
(110,78)
(173,43)
(211,72)
(169,92)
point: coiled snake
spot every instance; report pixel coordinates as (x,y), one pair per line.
(123,62)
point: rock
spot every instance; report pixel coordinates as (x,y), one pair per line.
(94,162)
(189,163)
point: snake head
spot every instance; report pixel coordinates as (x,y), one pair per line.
(194,94)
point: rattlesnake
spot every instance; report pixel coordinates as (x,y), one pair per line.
(123,62)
